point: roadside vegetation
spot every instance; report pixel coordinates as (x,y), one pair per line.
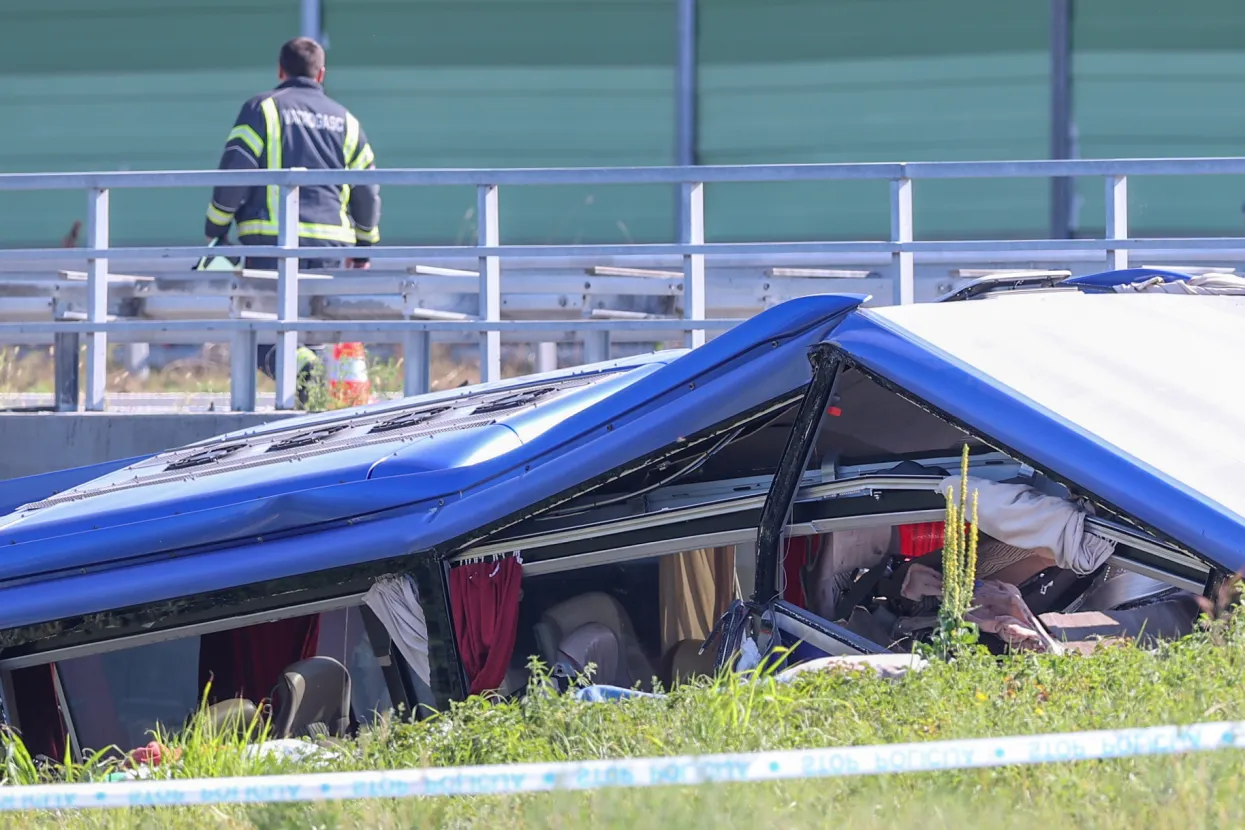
(973,695)
(30,371)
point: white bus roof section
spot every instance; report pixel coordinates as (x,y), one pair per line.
(1157,376)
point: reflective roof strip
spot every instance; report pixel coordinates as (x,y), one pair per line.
(665,547)
(811,493)
(715,508)
(1158,550)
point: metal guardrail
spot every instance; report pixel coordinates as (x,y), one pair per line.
(488,250)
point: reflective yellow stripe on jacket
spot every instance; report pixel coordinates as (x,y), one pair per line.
(272,144)
(362,161)
(268,226)
(365,159)
(217,216)
(248,137)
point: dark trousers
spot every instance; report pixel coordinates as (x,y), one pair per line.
(266,359)
(270,264)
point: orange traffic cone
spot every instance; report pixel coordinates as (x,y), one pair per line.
(346,373)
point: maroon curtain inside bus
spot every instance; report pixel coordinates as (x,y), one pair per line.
(246,662)
(796,561)
(43,731)
(485,599)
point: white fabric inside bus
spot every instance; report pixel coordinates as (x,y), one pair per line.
(394,601)
(1020,516)
(1202,284)
(1155,375)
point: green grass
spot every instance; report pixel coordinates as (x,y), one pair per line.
(1193,680)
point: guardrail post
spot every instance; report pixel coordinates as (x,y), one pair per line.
(488,234)
(243,394)
(65,353)
(137,360)
(546,357)
(901,231)
(597,345)
(242,369)
(416,362)
(693,233)
(286,365)
(97,301)
(1117,220)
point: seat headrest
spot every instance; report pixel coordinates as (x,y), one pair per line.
(311,699)
(593,606)
(233,716)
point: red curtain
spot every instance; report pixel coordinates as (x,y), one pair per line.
(795,561)
(43,731)
(485,599)
(246,662)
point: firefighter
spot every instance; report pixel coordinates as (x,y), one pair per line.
(297,125)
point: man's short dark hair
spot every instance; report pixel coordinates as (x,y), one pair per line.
(302,57)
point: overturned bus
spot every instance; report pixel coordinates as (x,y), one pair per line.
(781,485)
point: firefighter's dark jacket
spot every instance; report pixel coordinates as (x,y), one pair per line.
(297,125)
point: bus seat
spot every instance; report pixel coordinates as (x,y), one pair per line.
(237,715)
(592,607)
(312,699)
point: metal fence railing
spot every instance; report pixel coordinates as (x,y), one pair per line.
(285,323)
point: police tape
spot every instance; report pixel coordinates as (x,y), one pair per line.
(928,756)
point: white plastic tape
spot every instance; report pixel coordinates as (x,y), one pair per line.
(635,772)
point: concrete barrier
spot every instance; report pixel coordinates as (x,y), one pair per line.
(44,442)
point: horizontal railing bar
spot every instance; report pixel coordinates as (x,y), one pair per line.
(533,267)
(514,284)
(1226,243)
(529,338)
(449,177)
(1230,165)
(155,327)
(450,251)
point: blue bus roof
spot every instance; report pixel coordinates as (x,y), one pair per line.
(386,481)
(1129,398)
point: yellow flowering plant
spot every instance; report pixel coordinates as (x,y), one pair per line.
(959,570)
